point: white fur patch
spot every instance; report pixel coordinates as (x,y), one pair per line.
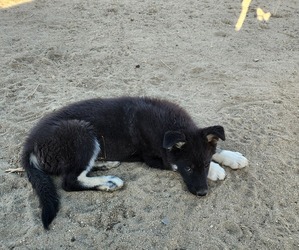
(34,161)
(234,160)
(216,172)
(96,151)
(174,167)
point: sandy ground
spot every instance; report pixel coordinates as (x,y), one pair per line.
(57,52)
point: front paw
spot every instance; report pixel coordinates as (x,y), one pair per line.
(234,160)
(216,172)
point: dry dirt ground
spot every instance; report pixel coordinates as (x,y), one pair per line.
(56,52)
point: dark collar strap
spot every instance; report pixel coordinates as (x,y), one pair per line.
(102,155)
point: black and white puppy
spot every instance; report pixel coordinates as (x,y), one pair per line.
(68,141)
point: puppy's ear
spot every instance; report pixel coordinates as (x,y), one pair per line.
(173,139)
(213,134)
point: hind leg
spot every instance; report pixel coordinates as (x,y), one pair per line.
(79,180)
(72,182)
(105,183)
(78,154)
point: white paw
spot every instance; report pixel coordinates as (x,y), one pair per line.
(110,183)
(234,160)
(216,172)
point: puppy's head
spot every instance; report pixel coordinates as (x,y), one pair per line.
(190,152)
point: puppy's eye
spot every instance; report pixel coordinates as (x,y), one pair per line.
(188,170)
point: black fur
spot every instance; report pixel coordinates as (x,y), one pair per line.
(153,131)
(45,189)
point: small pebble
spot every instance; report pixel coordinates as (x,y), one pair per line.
(277,101)
(165,221)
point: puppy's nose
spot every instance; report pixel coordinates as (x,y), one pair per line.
(202,192)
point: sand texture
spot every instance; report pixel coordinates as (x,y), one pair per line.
(57,52)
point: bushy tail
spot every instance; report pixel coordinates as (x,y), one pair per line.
(44,187)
